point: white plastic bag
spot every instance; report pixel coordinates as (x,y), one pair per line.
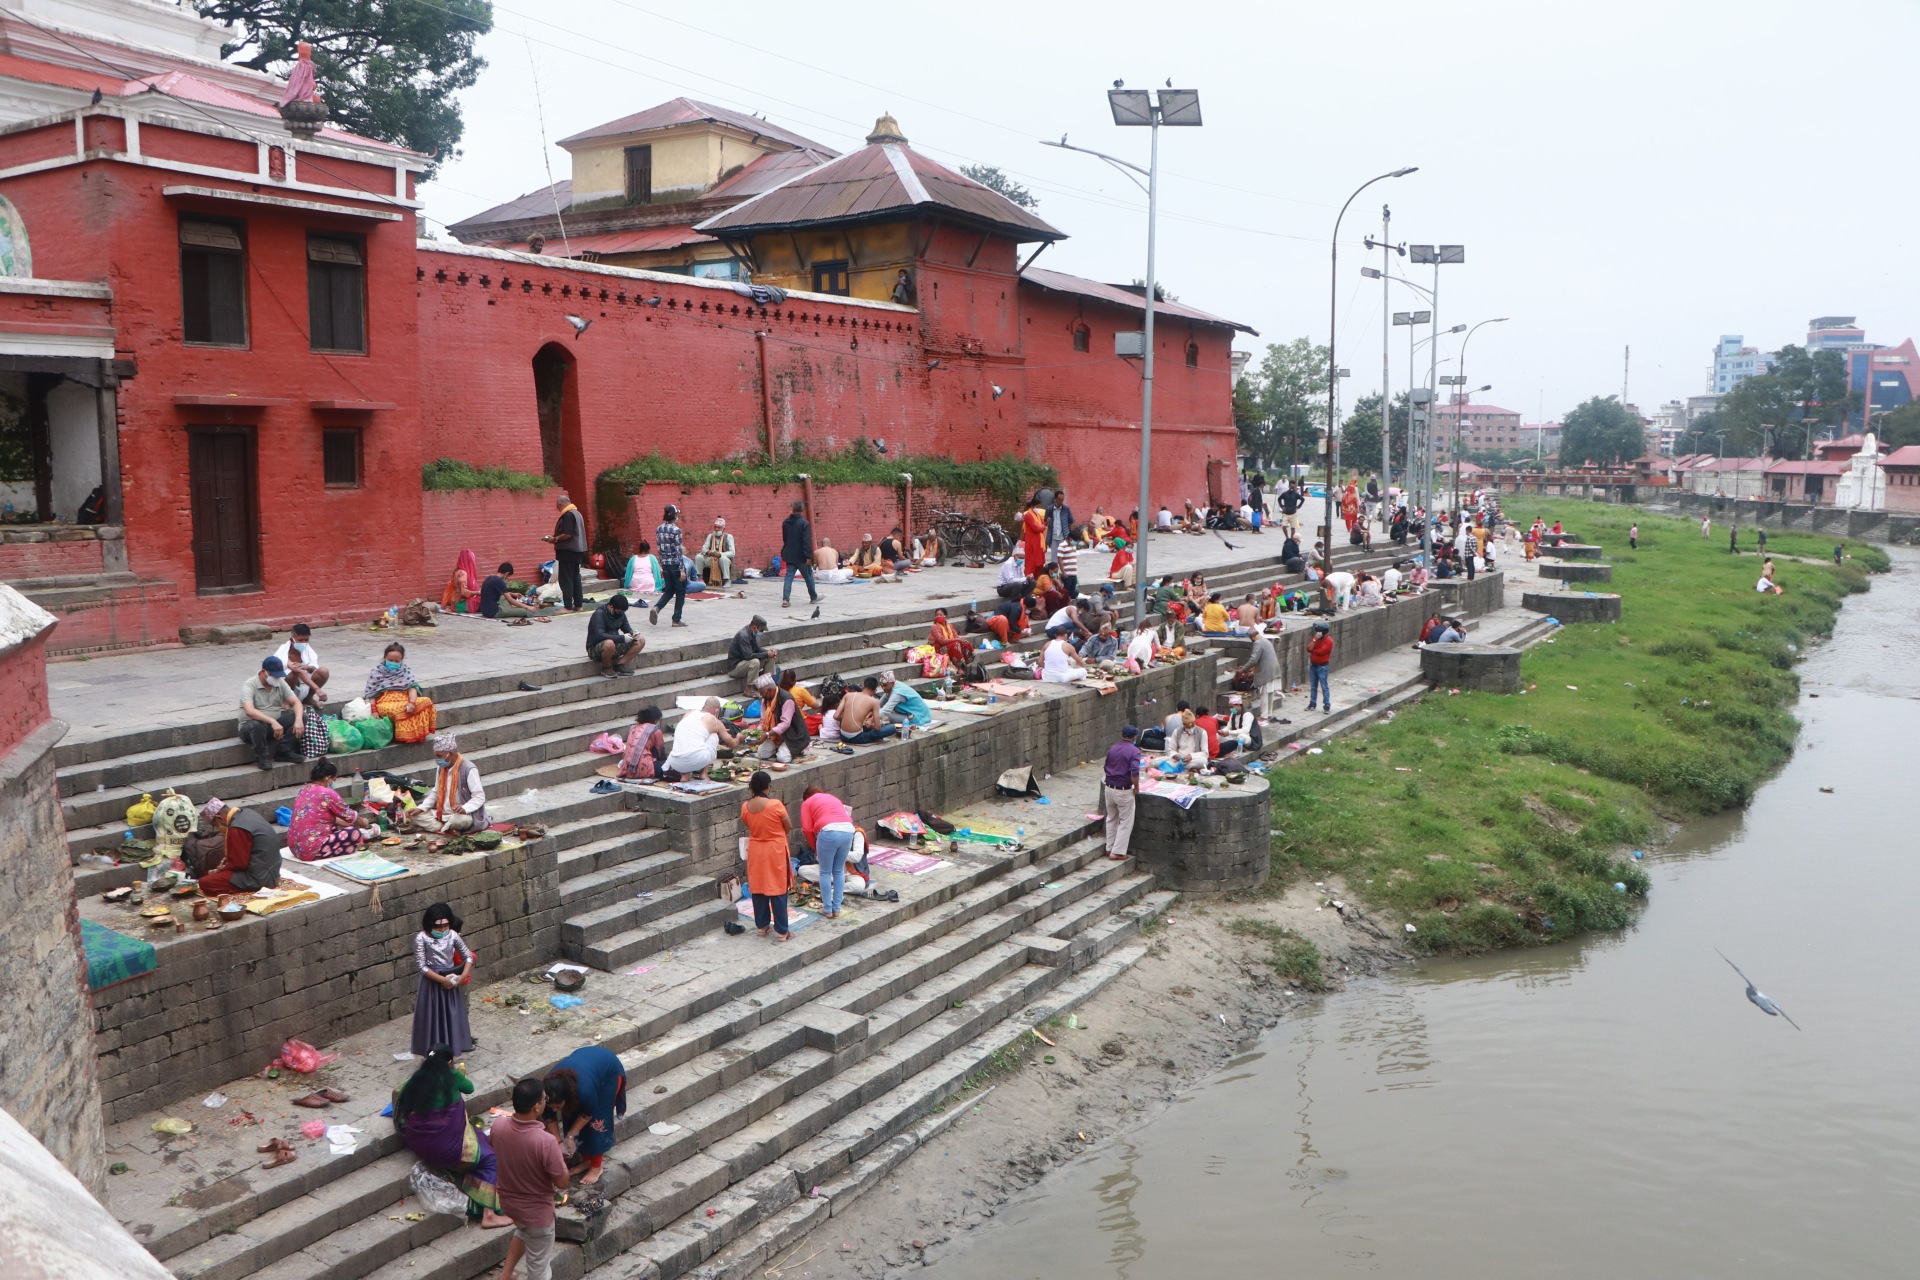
(435,1193)
(357,710)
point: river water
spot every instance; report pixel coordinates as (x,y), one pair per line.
(1612,1107)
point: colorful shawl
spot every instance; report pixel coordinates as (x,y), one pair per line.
(380,680)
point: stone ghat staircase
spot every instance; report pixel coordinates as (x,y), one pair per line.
(530,746)
(795,1074)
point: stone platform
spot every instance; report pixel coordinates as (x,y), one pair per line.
(1578,572)
(1222,843)
(1492,668)
(1574,606)
(1577,551)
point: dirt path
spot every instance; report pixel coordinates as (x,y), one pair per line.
(1201,996)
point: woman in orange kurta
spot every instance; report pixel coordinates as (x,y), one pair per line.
(769,867)
(1033,536)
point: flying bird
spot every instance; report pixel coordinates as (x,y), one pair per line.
(1761,1000)
(1231,546)
(579,325)
(998,391)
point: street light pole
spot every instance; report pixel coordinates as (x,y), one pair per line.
(1143,107)
(1333,338)
(1460,417)
(1438,255)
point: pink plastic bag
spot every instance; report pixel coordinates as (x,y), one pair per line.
(303,1057)
(608,744)
(314,1128)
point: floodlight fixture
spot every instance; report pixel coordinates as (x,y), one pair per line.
(1421,254)
(1180,106)
(1453,253)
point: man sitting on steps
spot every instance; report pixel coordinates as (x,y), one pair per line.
(272,719)
(746,660)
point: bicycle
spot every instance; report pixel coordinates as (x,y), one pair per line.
(969,537)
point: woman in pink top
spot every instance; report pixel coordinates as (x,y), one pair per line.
(827,826)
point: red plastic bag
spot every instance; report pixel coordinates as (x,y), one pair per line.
(303,1057)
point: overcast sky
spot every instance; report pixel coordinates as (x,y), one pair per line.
(1644,173)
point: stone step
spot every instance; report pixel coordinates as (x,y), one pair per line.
(627,842)
(593,830)
(646,873)
(637,943)
(601,921)
(721,1092)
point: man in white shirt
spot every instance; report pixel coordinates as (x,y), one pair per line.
(1164,521)
(305,675)
(1140,648)
(1390,580)
(1015,569)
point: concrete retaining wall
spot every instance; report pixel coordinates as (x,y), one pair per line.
(1865,526)
(221,1004)
(1578,572)
(1573,606)
(1223,843)
(947,767)
(1577,551)
(1493,668)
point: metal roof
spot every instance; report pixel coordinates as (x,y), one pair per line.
(539,203)
(685,111)
(1907,455)
(1133,299)
(1834,467)
(638,240)
(883,179)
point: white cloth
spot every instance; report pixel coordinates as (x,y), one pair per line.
(1057,666)
(1140,648)
(1342,583)
(1390,581)
(308,656)
(1164,520)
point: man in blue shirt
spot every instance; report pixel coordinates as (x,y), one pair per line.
(901,703)
(1124,764)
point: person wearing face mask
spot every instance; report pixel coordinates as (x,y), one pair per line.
(324,825)
(459,803)
(446,970)
(393,692)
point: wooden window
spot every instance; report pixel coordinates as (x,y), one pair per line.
(340,454)
(832,277)
(640,175)
(213,277)
(1193,355)
(336,294)
(1082,338)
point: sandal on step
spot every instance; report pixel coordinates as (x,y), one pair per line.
(313,1101)
(283,1156)
(334,1095)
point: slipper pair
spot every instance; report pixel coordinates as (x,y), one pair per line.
(320,1098)
(281,1150)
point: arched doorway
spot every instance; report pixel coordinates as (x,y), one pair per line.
(557,393)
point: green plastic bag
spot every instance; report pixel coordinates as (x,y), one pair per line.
(375,733)
(342,737)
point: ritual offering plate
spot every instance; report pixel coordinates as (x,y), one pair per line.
(187,890)
(164,920)
(155,912)
(232,911)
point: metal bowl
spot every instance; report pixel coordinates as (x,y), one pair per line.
(569,980)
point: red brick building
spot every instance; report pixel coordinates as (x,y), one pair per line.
(228,324)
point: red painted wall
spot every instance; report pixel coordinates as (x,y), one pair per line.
(23,692)
(49,559)
(357,548)
(496,525)
(1084,406)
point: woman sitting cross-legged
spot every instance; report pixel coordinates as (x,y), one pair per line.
(430,1115)
(393,692)
(324,825)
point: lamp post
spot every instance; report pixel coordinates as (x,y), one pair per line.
(1438,256)
(1333,337)
(1459,417)
(1412,320)
(1385,271)
(1142,107)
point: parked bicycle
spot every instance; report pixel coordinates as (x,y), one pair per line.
(968,537)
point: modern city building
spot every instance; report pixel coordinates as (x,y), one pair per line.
(1669,420)
(1484,428)
(1835,333)
(1734,362)
(1539,439)
(1892,370)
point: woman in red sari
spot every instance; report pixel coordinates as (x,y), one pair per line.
(946,640)
(1350,505)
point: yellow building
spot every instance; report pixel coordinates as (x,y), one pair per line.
(640,183)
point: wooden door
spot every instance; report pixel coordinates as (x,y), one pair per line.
(226,545)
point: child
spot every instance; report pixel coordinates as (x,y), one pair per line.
(446,969)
